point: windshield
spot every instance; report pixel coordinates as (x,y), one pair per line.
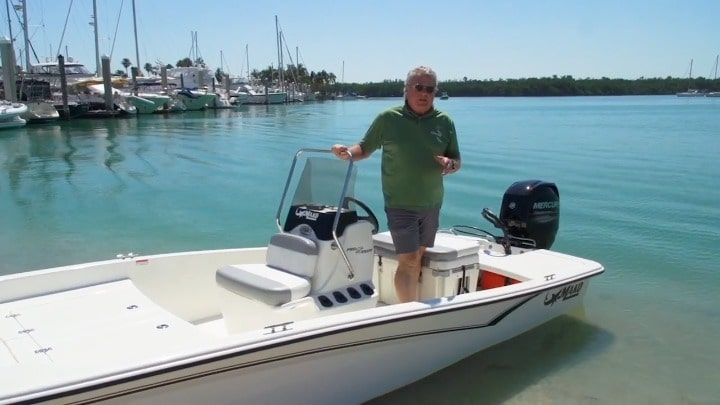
(317,181)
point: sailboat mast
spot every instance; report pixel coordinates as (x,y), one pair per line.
(278,41)
(25,34)
(7,9)
(97,43)
(690,75)
(247,61)
(137,52)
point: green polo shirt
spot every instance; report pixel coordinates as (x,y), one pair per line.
(411,178)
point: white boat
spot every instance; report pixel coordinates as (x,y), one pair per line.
(310,96)
(148,103)
(11,114)
(93,92)
(40,112)
(310,318)
(195,100)
(50,70)
(714,93)
(690,92)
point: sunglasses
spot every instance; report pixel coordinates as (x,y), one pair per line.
(427,89)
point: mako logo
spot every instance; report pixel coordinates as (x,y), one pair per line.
(567,292)
(545,205)
(307,214)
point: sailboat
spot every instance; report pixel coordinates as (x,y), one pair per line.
(714,93)
(690,91)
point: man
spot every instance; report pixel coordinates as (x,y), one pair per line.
(419,146)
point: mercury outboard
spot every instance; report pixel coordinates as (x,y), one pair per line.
(529,215)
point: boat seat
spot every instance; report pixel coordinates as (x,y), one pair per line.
(290,263)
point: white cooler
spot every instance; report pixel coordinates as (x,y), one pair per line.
(448,268)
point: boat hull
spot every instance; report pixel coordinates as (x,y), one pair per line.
(11,114)
(41,112)
(345,366)
(343,359)
(197,101)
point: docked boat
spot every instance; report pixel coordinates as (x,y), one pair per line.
(312,317)
(258,95)
(195,100)
(11,114)
(50,71)
(40,112)
(146,102)
(92,92)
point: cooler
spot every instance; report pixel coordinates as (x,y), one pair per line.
(448,268)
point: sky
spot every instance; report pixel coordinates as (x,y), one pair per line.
(377,40)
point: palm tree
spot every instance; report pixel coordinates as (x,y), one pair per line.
(185,62)
(126,64)
(303,75)
(149,68)
(255,74)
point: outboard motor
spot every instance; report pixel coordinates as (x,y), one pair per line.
(531,210)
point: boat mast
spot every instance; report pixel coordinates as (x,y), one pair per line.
(7,9)
(25,33)
(137,52)
(97,43)
(278,42)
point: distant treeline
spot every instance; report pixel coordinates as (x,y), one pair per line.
(540,87)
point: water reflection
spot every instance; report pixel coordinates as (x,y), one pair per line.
(113,156)
(68,155)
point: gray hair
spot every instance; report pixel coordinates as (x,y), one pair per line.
(420,71)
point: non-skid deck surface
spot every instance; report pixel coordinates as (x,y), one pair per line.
(101,323)
(535,264)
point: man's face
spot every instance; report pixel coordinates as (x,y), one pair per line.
(420,93)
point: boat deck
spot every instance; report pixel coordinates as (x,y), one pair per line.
(535,264)
(117,320)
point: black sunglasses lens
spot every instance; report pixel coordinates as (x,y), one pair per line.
(428,89)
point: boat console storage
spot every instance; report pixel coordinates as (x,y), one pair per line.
(321,260)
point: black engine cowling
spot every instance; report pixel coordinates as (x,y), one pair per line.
(531,210)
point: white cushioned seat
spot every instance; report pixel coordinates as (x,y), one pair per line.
(262,283)
(291,261)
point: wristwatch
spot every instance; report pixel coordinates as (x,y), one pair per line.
(452,164)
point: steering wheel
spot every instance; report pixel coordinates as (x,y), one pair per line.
(370,215)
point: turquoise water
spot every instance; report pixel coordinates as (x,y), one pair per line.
(639,187)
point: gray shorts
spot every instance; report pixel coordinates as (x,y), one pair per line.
(411,229)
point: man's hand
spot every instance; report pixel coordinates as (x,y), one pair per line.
(340,151)
(448,165)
